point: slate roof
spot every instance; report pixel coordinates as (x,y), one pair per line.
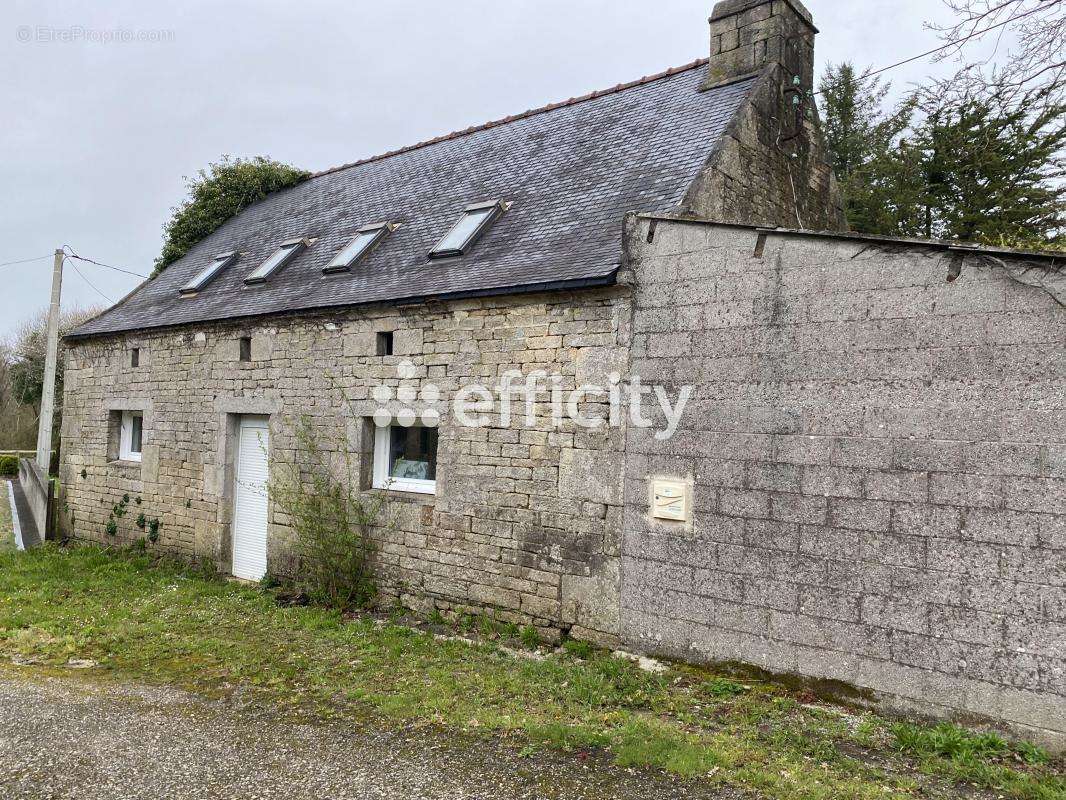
(572,170)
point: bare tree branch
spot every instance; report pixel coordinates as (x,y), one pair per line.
(1039,27)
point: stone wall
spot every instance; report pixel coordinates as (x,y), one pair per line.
(771,167)
(876,448)
(525,521)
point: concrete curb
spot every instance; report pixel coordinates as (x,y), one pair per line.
(15,516)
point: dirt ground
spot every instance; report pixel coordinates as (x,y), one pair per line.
(72,737)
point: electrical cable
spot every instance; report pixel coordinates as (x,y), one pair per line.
(25,260)
(949,44)
(91,285)
(72,254)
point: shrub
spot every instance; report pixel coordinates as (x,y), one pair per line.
(269,581)
(221,191)
(331,519)
(9,465)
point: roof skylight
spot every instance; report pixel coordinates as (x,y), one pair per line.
(277,260)
(474,222)
(358,248)
(218,263)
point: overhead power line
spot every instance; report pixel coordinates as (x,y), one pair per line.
(25,260)
(91,284)
(955,43)
(949,45)
(72,254)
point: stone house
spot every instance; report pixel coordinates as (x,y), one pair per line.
(840,464)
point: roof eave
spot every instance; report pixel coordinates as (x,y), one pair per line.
(599,281)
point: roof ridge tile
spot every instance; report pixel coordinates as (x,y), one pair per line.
(667,73)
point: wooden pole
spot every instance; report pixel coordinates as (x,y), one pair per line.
(48,390)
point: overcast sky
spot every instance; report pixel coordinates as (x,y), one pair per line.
(99,134)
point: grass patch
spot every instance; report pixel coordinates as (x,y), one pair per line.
(985,760)
(722,687)
(578,648)
(167,624)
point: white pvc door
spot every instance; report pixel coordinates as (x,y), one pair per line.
(250,499)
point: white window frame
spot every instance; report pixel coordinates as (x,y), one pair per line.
(125,440)
(491,211)
(208,274)
(371,236)
(282,255)
(382,479)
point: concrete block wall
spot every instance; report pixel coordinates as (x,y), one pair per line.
(878,462)
(525,523)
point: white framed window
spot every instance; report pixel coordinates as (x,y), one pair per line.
(475,220)
(131,436)
(405,458)
(278,259)
(366,239)
(204,277)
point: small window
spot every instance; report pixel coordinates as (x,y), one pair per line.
(135,357)
(358,248)
(405,458)
(246,348)
(384,343)
(131,436)
(474,222)
(278,259)
(218,263)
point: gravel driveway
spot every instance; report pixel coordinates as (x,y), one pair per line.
(72,737)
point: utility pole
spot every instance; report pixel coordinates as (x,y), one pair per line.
(48,390)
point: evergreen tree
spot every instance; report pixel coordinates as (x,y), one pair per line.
(991,161)
(973,160)
(860,136)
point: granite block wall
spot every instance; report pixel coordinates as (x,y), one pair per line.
(771,166)
(525,523)
(876,453)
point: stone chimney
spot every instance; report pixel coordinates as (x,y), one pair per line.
(771,166)
(749,35)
